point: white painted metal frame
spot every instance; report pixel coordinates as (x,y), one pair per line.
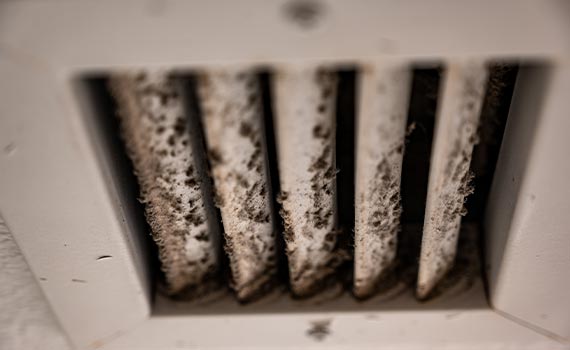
(63,205)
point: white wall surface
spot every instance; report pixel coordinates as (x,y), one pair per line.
(26,321)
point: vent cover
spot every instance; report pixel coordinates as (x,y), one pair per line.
(250,160)
(70,196)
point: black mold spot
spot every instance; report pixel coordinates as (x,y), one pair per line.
(245,129)
(180,126)
(218,199)
(190,171)
(191,182)
(171,140)
(202,236)
(140,77)
(215,156)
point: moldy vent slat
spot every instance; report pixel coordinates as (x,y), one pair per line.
(158,137)
(232,111)
(305,132)
(449,180)
(384,97)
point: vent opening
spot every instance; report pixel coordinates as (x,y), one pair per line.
(345,159)
(270,141)
(420,127)
(421,115)
(494,112)
(191,107)
(277,150)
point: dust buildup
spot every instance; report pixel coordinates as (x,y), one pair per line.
(401,277)
(384,195)
(157,135)
(466,265)
(232,113)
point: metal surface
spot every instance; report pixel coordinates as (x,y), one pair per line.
(459,321)
(123,33)
(528,239)
(26,321)
(383,106)
(64,207)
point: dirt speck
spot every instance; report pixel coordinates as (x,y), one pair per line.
(215,156)
(452,315)
(10,149)
(319,330)
(305,14)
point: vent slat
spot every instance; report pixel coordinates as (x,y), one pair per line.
(233,123)
(158,138)
(449,180)
(384,97)
(305,133)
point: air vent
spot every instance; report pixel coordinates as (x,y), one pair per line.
(291,174)
(313,178)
